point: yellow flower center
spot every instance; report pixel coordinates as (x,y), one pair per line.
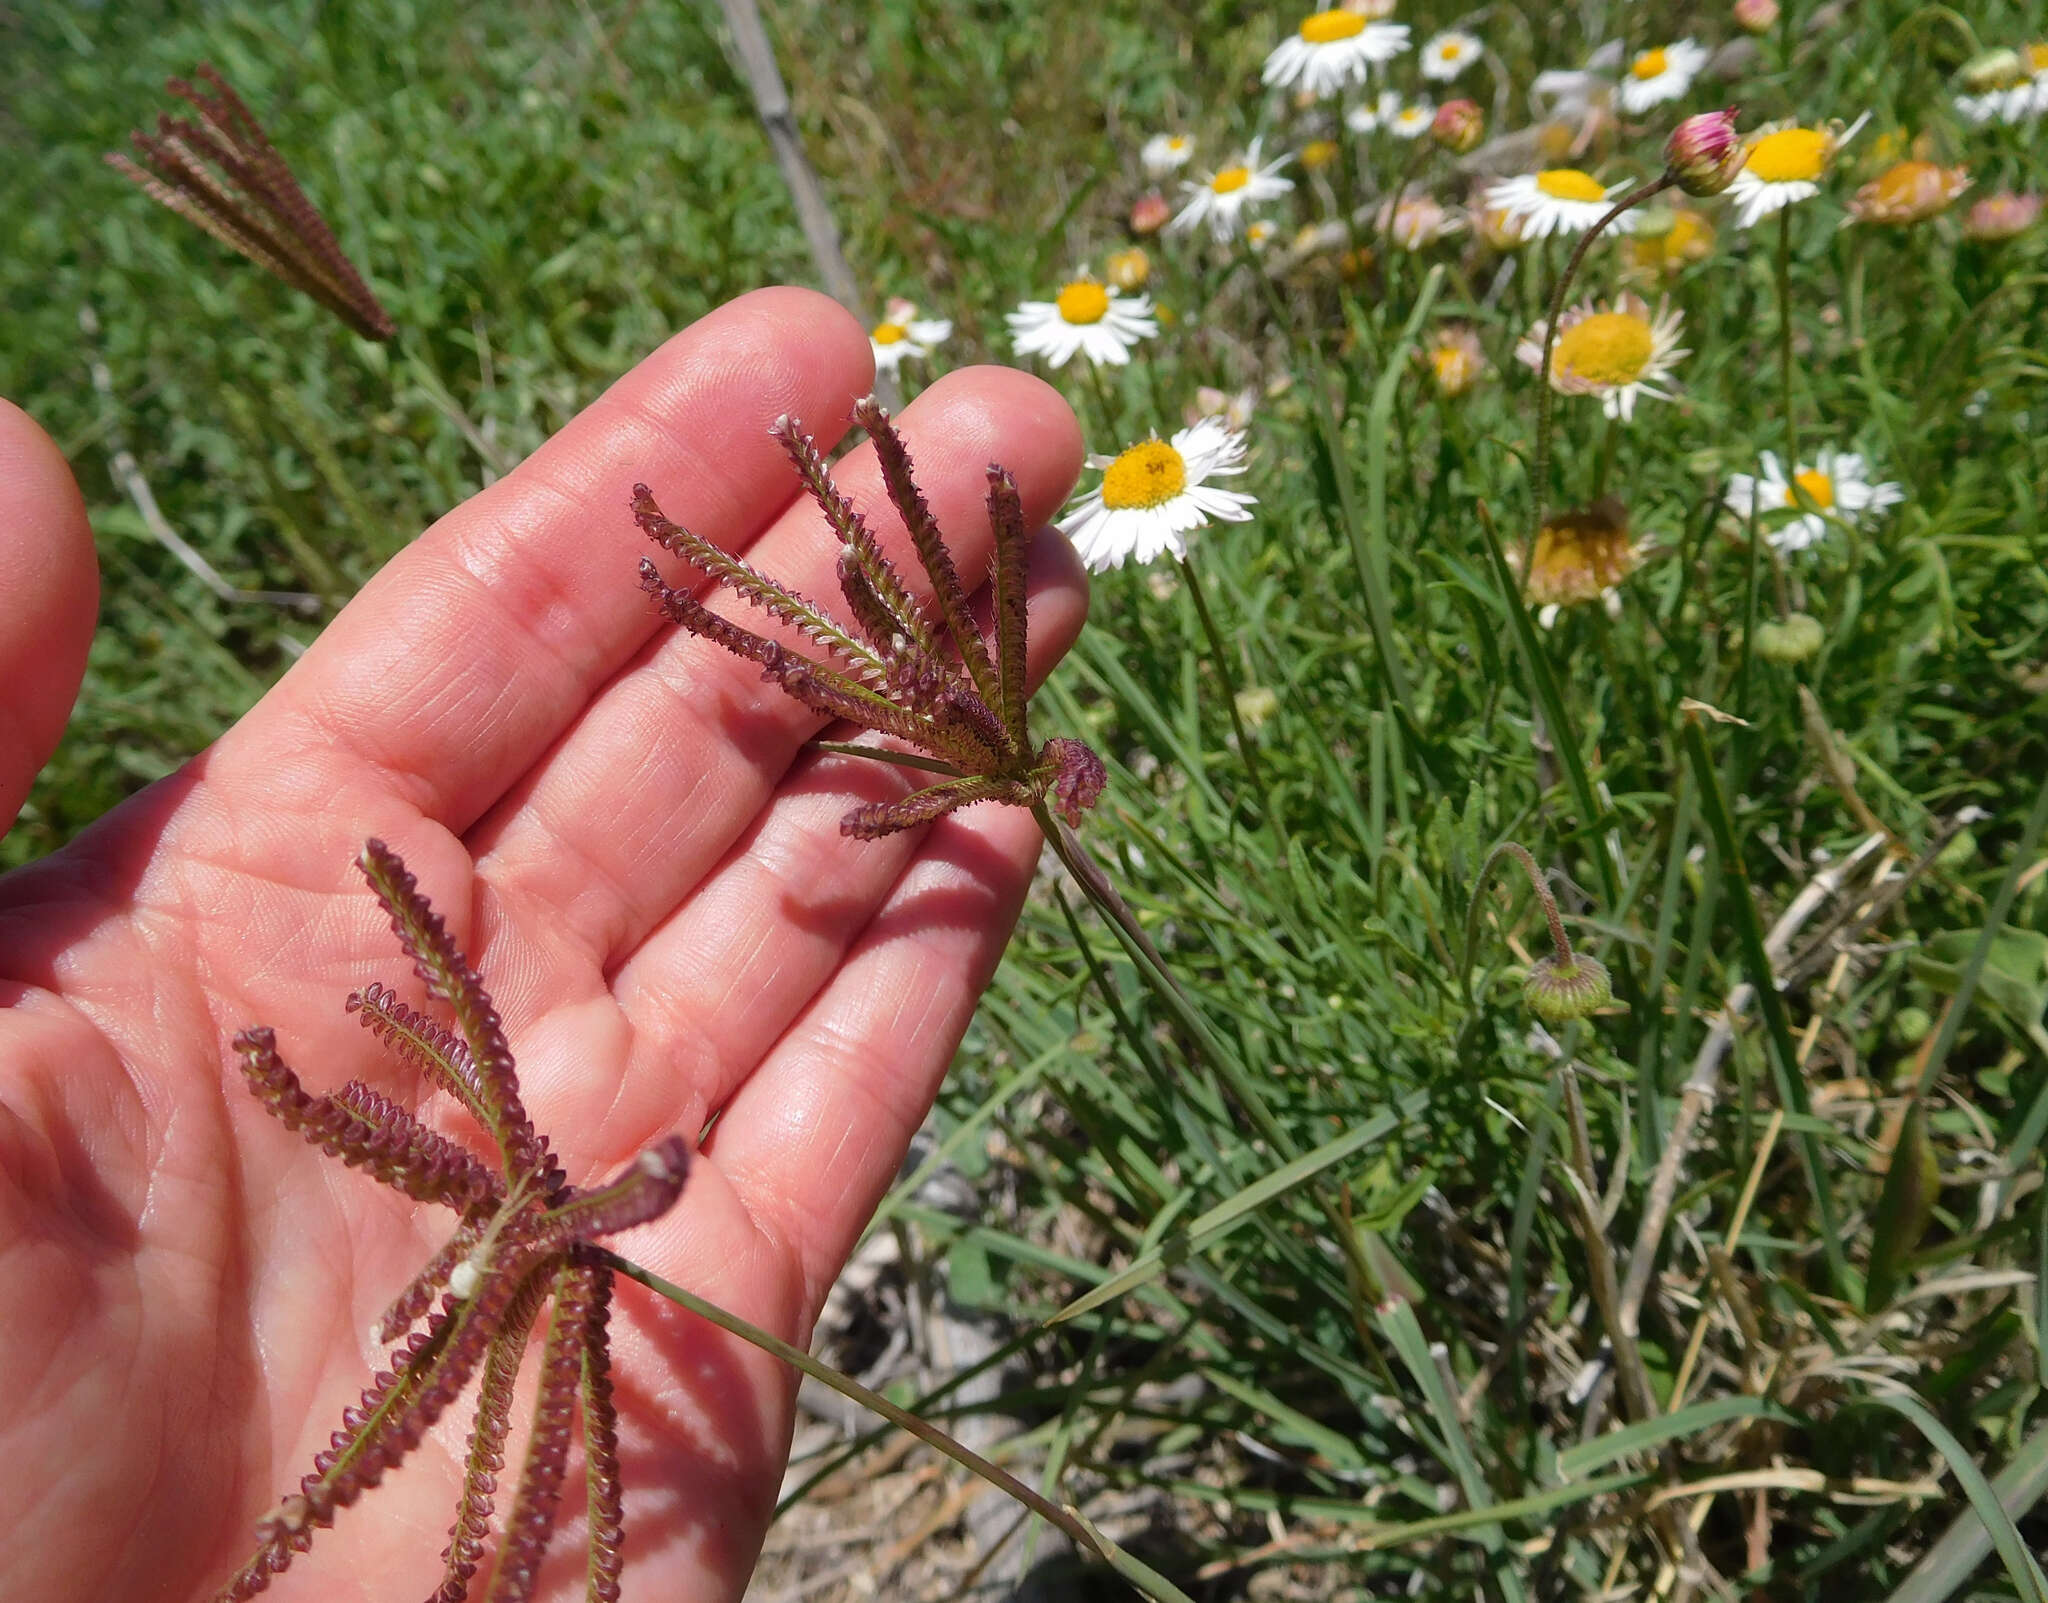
(1650,64)
(1327,27)
(1454,368)
(1450,50)
(1083,302)
(888,333)
(1568,183)
(1791,155)
(1230,179)
(1908,184)
(2037,58)
(1689,232)
(1581,555)
(1318,153)
(1609,349)
(1145,476)
(1817,487)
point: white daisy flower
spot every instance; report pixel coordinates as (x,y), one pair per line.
(1449,54)
(1219,198)
(2014,90)
(1558,200)
(1166,153)
(1785,164)
(1665,73)
(1616,354)
(1369,116)
(902,334)
(1332,49)
(1836,488)
(1156,493)
(1412,120)
(1087,317)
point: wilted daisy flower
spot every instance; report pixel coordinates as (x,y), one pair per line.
(1836,486)
(1419,220)
(1128,269)
(2001,216)
(1908,192)
(1501,229)
(1166,153)
(1455,360)
(1449,54)
(1318,154)
(1156,493)
(1332,49)
(1785,164)
(1666,241)
(1219,198)
(1412,120)
(1087,317)
(1234,407)
(1579,557)
(902,334)
(1616,354)
(1369,116)
(1558,200)
(1665,73)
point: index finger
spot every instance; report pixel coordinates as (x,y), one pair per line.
(473,649)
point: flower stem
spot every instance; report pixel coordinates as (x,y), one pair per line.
(1112,418)
(1540,468)
(1220,653)
(1785,338)
(1068,1520)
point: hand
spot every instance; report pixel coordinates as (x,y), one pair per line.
(623,829)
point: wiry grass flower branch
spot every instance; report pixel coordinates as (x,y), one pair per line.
(918,672)
(222,174)
(525,1239)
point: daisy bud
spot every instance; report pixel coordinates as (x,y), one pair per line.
(1788,640)
(1149,212)
(1995,69)
(2001,216)
(1911,1024)
(1459,126)
(1559,990)
(1704,153)
(1756,16)
(1128,269)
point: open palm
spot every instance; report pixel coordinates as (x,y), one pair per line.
(620,826)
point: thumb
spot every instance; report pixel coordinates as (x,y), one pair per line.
(49,598)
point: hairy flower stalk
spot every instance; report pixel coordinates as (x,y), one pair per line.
(525,1239)
(918,671)
(222,174)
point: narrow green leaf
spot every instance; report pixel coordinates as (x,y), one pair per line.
(1220,1220)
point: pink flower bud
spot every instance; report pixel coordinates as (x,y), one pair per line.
(1149,212)
(2001,216)
(1459,126)
(1756,16)
(1704,153)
